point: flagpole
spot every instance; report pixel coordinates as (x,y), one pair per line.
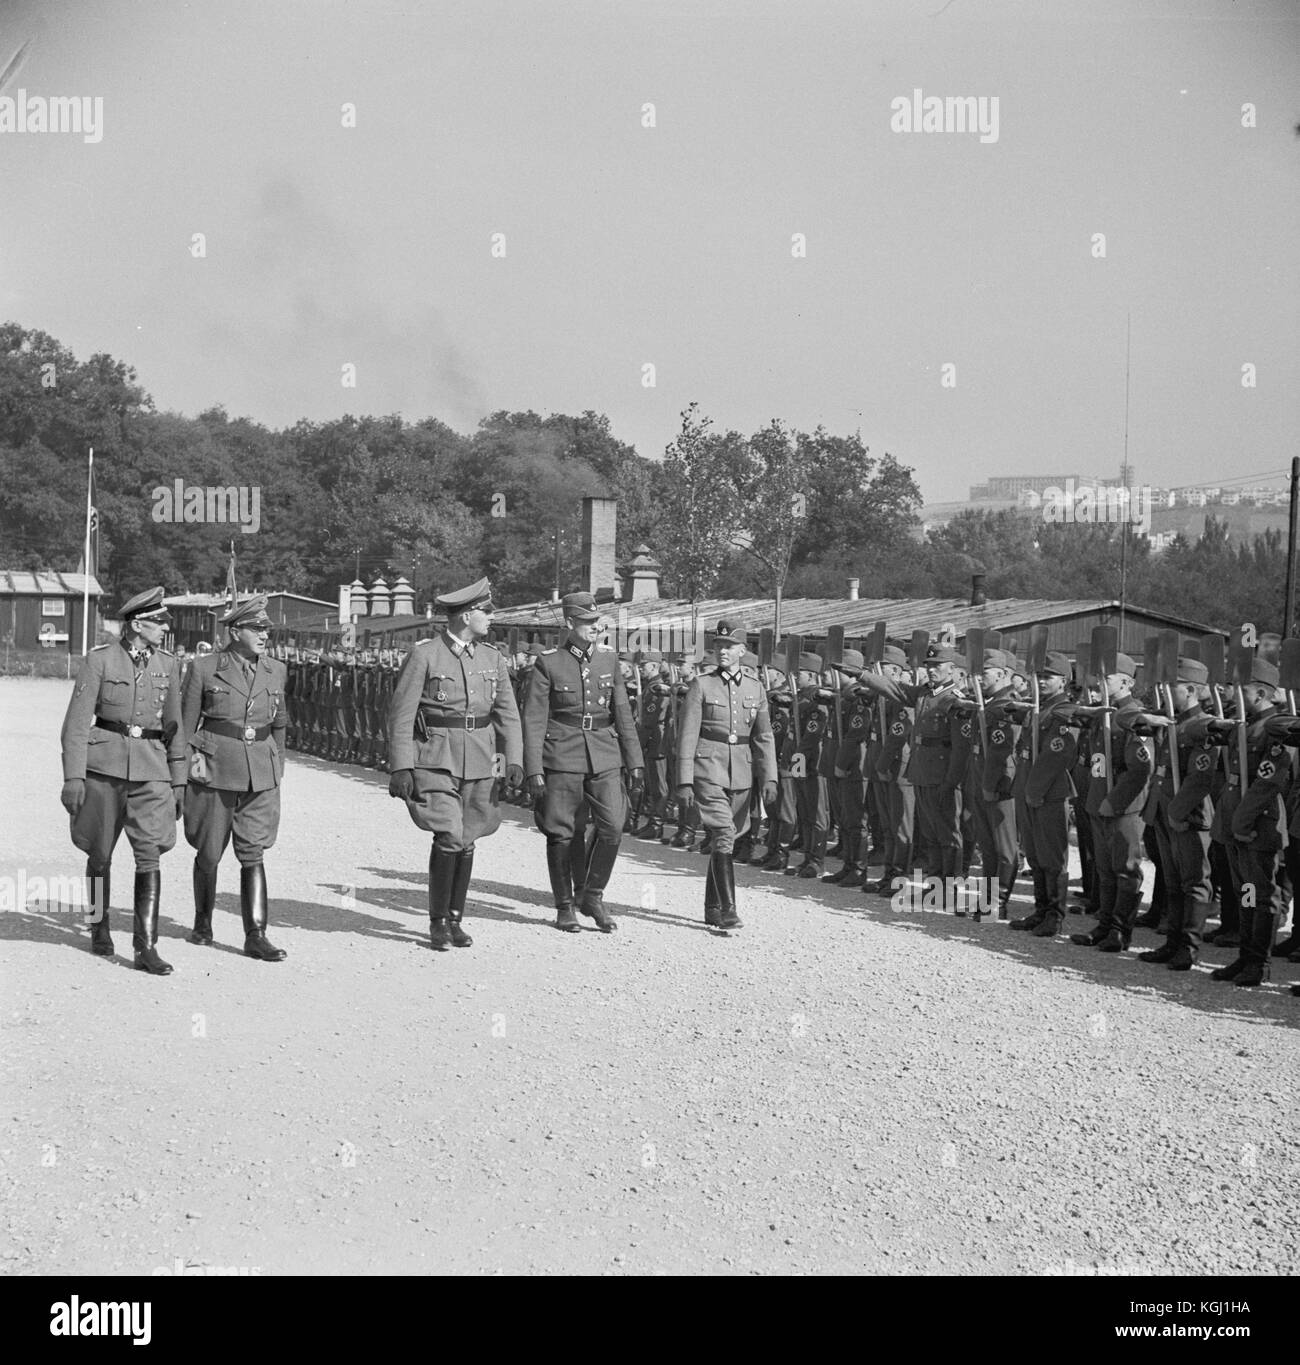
(85,587)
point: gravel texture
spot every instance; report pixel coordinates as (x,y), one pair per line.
(837,1087)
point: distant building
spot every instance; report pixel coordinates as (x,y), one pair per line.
(194,614)
(43,611)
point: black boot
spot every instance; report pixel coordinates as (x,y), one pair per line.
(559,866)
(1049,926)
(97,898)
(711,899)
(852,869)
(1164,953)
(148,887)
(600,863)
(205,897)
(253,907)
(459,889)
(724,878)
(1263,926)
(442,872)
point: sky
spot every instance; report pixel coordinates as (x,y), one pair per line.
(673,245)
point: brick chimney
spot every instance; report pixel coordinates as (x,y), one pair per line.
(978,597)
(853,585)
(599,527)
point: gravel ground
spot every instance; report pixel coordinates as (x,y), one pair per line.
(839,1087)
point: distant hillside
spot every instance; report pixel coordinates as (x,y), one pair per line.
(1244,521)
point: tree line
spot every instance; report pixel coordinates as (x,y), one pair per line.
(779,511)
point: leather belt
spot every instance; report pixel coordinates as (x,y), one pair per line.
(455,722)
(133,731)
(229,730)
(584,722)
(936,743)
(722,736)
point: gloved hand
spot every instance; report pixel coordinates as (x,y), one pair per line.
(514,777)
(686,796)
(537,786)
(178,795)
(636,783)
(73,795)
(769,793)
(402,784)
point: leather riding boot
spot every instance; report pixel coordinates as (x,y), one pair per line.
(816,859)
(1042,897)
(778,857)
(600,863)
(148,888)
(1164,953)
(711,898)
(1121,929)
(97,898)
(724,878)
(254,909)
(205,897)
(1255,949)
(1050,925)
(442,872)
(459,890)
(559,866)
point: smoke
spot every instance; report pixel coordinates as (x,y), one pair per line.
(298,305)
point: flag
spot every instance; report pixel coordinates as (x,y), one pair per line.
(231,591)
(90,551)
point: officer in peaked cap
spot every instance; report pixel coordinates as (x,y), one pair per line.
(235,716)
(124,767)
(578,735)
(724,744)
(453,710)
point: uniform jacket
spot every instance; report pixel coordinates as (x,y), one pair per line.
(656,712)
(857,719)
(782,729)
(218,689)
(934,763)
(724,732)
(998,769)
(896,748)
(816,730)
(1192,806)
(568,683)
(1132,763)
(438,683)
(108,686)
(1050,778)
(1261,811)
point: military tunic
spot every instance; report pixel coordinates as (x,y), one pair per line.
(452,711)
(724,746)
(235,721)
(129,777)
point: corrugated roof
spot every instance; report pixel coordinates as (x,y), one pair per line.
(219,599)
(815,615)
(21,583)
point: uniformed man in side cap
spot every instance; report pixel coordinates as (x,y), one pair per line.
(724,744)
(858,711)
(453,709)
(1116,809)
(235,719)
(1181,818)
(1043,786)
(1251,820)
(578,736)
(124,767)
(656,709)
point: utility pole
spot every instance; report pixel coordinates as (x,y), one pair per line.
(1123,530)
(1288,610)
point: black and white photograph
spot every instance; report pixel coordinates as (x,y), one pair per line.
(650,640)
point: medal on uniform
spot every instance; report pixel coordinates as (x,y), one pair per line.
(442,696)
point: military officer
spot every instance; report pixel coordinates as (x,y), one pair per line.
(233,706)
(1042,788)
(724,744)
(124,768)
(452,711)
(1115,806)
(576,697)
